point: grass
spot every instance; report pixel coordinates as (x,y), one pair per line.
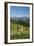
(14,34)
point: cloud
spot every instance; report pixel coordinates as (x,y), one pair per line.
(20,16)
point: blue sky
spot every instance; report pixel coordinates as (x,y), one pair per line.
(19,11)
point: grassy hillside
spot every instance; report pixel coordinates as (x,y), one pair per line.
(15,34)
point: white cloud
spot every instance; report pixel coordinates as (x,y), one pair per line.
(21,16)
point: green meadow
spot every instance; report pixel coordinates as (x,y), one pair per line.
(17,33)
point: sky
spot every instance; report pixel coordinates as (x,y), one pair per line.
(19,11)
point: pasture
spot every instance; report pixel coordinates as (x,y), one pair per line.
(23,33)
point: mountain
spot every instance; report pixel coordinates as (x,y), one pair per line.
(20,18)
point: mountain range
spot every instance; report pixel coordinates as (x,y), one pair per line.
(20,18)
